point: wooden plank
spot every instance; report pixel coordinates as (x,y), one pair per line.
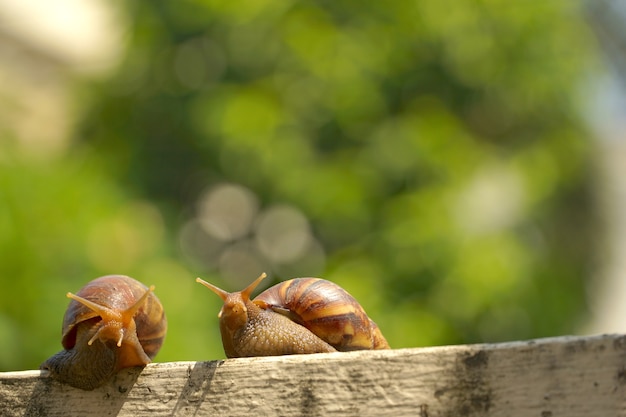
(565,376)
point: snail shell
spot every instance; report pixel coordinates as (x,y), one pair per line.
(113,322)
(327,310)
(302,315)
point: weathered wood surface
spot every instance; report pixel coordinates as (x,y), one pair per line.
(566,376)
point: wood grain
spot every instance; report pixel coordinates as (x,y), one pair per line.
(565,376)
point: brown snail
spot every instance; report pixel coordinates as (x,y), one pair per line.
(113,322)
(301,315)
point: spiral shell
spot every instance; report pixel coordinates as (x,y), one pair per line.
(327,310)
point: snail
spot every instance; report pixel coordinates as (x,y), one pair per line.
(113,322)
(301,315)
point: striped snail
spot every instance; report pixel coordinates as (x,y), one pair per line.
(113,322)
(301,315)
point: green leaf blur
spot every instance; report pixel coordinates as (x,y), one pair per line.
(435,149)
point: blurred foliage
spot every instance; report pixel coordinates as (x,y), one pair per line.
(435,147)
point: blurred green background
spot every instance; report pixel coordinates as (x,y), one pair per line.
(430,157)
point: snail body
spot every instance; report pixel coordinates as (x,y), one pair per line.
(301,315)
(113,322)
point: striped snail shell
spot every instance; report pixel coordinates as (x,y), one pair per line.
(113,322)
(301,315)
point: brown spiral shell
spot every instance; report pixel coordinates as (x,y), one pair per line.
(327,310)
